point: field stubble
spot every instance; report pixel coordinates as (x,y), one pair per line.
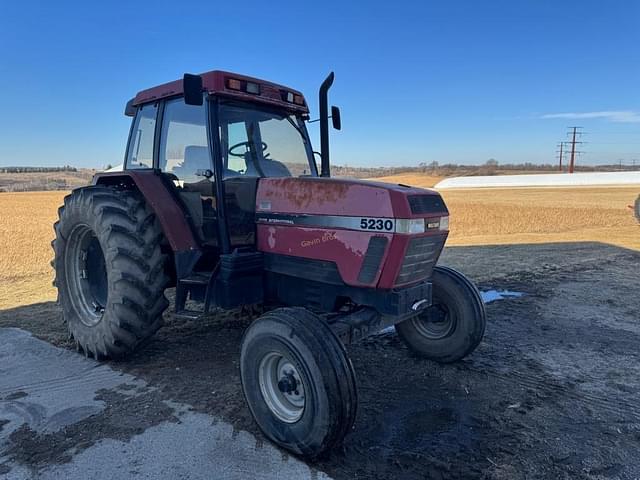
(478,217)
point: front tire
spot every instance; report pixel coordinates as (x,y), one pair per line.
(109,270)
(298,381)
(453,326)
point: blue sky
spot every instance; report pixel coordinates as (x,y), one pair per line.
(447,81)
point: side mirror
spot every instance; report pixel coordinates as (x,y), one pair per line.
(192,88)
(335,118)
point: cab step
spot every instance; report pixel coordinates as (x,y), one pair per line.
(193,287)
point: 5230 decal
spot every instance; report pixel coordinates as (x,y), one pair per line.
(379,224)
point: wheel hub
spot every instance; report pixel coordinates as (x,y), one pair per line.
(281,387)
(86,275)
(436,323)
(288,383)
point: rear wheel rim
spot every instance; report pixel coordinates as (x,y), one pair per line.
(86,275)
(437,323)
(281,387)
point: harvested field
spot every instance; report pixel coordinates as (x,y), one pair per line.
(499,216)
(478,217)
(37,181)
(413,179)
(542,215)
(26,231)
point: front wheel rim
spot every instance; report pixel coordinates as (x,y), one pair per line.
(281,387)
(437,323)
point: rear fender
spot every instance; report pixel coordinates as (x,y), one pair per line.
(158,195)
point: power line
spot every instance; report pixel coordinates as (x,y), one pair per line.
(560,155)
(573,132)
(561,152)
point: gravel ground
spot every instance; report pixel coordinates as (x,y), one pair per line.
(550,393)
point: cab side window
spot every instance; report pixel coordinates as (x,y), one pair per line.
(140,151)
(183,146)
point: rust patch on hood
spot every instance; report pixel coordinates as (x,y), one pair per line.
(301,192)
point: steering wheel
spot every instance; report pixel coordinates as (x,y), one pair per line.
(247,146)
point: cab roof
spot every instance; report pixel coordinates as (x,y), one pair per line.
(218,82)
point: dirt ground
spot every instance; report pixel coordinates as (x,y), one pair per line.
(550,393)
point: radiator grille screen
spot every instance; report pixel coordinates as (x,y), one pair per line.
(422,255)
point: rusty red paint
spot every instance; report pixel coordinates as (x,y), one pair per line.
(170,215)
(335,196)
(344,247)
(214,83)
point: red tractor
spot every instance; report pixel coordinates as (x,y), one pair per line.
(220,197)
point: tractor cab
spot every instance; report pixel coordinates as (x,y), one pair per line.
(213,139)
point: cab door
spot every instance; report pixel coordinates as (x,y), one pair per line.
(240,181)
(185,158)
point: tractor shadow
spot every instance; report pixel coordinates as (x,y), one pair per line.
(507,411)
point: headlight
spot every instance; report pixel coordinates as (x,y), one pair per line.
(410,225)
(444,223)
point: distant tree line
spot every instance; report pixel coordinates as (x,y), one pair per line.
(490,167)
(66,168)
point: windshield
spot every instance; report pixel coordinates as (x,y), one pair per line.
(263,143)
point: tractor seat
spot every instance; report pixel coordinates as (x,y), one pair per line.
(274,168)
(270,168)
(195,158)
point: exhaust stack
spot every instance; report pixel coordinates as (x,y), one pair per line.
(325,169)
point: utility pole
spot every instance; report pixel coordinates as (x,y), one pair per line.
(573,132)
(561,144)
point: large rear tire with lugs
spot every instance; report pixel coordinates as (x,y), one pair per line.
(298,381)
(110,270)
(453,326)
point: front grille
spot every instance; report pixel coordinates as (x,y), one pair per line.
(420,258)
(427,204)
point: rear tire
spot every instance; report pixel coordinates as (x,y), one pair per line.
(453,326)
(298,381)
(109,270)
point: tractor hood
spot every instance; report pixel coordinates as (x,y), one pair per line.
(346,197)
(372,234)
